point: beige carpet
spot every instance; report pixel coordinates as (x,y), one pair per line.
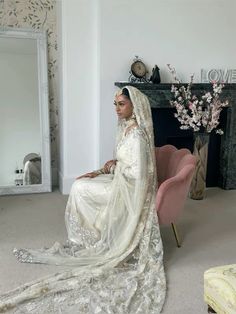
(207,228)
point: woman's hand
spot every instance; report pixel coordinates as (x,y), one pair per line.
(88,175)
(108,165)
(105,170)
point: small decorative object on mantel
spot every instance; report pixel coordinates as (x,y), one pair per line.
(155,77)
(202,115)
(218,76)
(138,71)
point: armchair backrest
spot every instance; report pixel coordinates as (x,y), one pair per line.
(176,162)
(174,171)
(163,155)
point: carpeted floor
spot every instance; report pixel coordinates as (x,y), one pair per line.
(207,228)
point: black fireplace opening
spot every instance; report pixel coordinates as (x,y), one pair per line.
(167,131)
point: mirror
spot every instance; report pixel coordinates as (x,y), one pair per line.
(24,121)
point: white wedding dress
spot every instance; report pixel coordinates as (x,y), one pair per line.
(114,246)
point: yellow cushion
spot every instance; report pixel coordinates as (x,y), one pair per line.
(220,289)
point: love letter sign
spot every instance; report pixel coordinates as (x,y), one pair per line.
(218,75)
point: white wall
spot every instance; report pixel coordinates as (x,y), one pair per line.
(19,112)
(101,39)
(78,98)
(189,34)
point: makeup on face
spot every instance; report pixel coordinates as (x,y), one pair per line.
(124,107)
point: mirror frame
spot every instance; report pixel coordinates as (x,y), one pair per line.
(41,39)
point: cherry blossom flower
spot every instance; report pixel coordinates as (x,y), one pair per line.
(199,113)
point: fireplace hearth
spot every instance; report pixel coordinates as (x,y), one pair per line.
(221,169)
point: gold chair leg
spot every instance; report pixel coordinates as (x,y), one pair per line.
(174,228)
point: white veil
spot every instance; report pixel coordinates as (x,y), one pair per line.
(123,272)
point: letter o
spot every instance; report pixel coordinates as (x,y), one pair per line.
(213,75)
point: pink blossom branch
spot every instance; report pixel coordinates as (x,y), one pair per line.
(197,113)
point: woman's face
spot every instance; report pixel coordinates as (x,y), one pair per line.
(124,107)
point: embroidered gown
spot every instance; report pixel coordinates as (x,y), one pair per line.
(114,242)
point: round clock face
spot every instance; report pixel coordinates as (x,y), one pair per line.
(138,69)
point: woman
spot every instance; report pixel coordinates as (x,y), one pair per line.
(113,233)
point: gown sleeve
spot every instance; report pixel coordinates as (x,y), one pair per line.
(132,156)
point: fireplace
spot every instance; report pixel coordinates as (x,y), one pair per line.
(221,169)
(167,131)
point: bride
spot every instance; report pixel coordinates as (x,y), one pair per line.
(114,242)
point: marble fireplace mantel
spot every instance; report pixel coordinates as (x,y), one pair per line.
(159,96)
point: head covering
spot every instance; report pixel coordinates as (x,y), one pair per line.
(142,111)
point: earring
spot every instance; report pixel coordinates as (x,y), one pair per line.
(133,116)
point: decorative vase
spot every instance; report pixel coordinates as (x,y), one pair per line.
(198,185)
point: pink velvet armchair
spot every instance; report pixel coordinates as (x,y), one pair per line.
(174,172)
